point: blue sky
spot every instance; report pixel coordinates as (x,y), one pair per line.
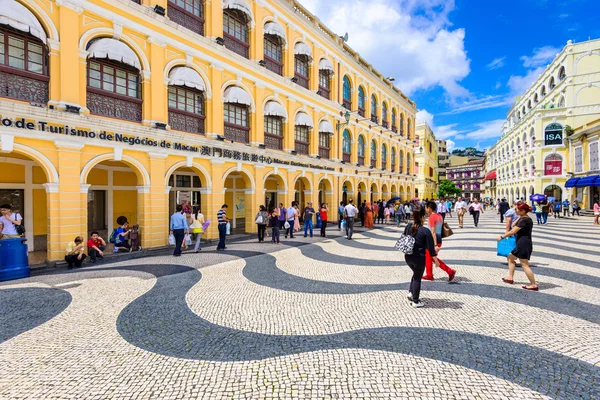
(462,61)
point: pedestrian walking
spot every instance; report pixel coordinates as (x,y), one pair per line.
(323,213)
(10,223)
(545,211)
(449,207)
(566,206)
(196,228)
(538,213)
(297,217)
(96,246)
(460,207)
(291,219)
(476,210)
(274,222)
(557,207)
(380,212)
(75,253)
(596,212)
(443,209)
(340,214)
(222,222)
(369,216)
(261,219)
(436,224)
(576,207)
(282,213)
(523,249)
(361,215)
(503,207)
(350,212)
(416,261)
(179,228)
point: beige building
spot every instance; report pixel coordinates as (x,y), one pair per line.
(443,159)
(584,146)
(534,154)
(455,161)
(426,162)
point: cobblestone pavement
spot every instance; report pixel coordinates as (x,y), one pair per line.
(314,318)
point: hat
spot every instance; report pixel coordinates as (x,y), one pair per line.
(6,206)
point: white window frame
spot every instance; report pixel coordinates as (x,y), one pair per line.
(597,142)
(580,148)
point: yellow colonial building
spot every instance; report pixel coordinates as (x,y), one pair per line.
(533,154)
(584,144)
(427,163)
(127,108)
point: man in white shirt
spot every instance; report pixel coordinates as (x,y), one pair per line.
(350,211)
(460,208)
(291,219)
(9,222)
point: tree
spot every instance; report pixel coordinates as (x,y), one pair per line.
(447,187)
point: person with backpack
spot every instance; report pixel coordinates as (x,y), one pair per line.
(119,237)
(423,243)
(566,206)
(11,224)
(340,215)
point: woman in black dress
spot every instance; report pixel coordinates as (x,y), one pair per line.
(416,260)
(522,229)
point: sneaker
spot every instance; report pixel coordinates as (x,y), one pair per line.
(451,276)
(410,298)
(116,250)
(417,305)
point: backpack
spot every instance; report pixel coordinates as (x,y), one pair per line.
(113,236)
(20,228)
(406,243)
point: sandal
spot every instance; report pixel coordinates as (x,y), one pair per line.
(535,289)
(511,281)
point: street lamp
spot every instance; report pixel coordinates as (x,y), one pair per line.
(346,116)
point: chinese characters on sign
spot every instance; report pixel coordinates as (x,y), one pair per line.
(552,167)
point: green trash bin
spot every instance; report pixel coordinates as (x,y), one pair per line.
(14,261)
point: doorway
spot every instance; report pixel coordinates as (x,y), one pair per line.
(97,220)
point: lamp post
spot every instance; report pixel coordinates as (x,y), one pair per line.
(340,125)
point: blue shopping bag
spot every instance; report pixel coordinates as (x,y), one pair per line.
(506,245)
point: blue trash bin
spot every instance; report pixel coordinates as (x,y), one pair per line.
(318,220)
(14,261)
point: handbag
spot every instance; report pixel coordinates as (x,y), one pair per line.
(228,229)
(20,228)
(259,219)
(188,240)
(172,240)
(286,225)
(506,246)
(405,244)
(446,230)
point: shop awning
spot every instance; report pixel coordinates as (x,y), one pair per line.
(16,15)
(326,65)
(325,127)
(302,49)
(491,176)
(274,109)
(185,76)
(237,95)
(241,5)
(572,182)
(273,28)
(589,181)
(303,119)
(114,50)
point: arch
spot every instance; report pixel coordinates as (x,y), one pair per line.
(531,190)
(204,174)
(277,174)
(138,168)
(97,33)
(362,187)
(278,101)
(347,89)
(552,83)
(307,182)
(272,27)
(242,6)
(44,19)
(394,189)
(245,174)
(361,97)
(562,73)
(587,66)
(591,98)
(325,178)
(180,62)
(543,91)
(47,166)
(561,102)
(242,86)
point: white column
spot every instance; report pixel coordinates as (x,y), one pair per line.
(28,206)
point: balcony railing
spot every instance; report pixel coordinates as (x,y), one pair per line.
(301,80)
(324,152)
(236,45)
(385,124)
(114,106)
(383,165)
(324,92)
(394,129)
(373,163)
(346,157)
(361,160)
(374,119)
(347,104)
(274,66)
(393,167)
(237,133)
(187,122)
(24,86)
(273,141)
(301,147)
(361,112)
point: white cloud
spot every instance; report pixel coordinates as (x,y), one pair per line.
(425,116)
(519,84)
(485,130)
(410,40)
(496,63)
(450,145)
(541,56)
(481,103)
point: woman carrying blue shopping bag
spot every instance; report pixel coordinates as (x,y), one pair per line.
(523,248)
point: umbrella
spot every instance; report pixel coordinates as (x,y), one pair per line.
(537,197)
(393,199)
(415,199)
